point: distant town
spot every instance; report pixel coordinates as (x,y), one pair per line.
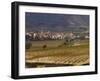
(47,35)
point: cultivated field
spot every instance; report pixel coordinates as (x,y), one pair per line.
(55,53)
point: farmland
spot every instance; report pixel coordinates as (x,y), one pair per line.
(56,53)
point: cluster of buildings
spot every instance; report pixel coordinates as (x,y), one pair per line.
(56,35)
(44,35)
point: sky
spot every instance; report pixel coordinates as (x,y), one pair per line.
(55,22)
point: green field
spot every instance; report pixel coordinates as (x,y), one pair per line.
(56,53)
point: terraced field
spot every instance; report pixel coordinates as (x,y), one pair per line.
(53,55)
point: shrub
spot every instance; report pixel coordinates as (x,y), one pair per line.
(44,46)
(28,45)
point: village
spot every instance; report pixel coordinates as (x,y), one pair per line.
(56,35)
